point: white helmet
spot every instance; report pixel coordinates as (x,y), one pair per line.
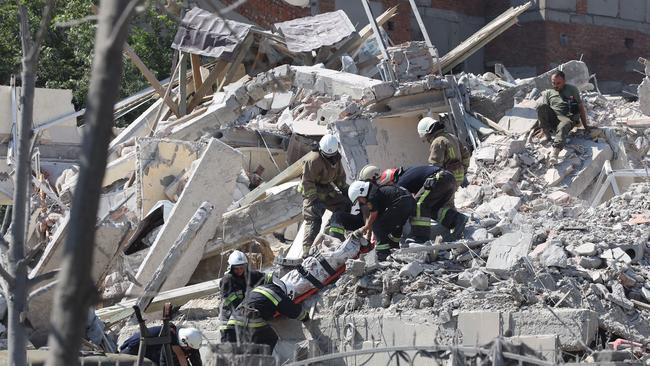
(358,189)
(426,125)
(190,337)
(237,258)
(369,172)
(328,145)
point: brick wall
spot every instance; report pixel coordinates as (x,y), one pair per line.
(267,12)
(467,7)
(539,44)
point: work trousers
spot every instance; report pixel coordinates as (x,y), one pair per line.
(313,210)
(343,221)
(553,125)
(388,227)
(432,204)
(261,335)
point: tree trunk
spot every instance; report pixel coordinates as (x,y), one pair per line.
(76,290)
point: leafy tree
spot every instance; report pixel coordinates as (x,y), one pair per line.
(67,52)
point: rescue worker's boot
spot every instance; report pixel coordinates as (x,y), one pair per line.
(459,226)
(454,221)
(420,229)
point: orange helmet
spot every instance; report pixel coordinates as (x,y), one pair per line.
(388,176)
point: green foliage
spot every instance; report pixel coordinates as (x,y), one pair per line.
(67,52)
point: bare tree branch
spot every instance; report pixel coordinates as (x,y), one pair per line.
(42,29)
(76,290)
(42,277)
(9,279)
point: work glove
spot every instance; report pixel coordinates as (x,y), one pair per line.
(306,318)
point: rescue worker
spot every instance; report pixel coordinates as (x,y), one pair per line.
(560,110)
(432,187)
(389,208)
(251,317)
(185,344)
(446,150)
(236,283)
(353,219)
(323,187)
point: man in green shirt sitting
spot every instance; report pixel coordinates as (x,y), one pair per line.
(560,111)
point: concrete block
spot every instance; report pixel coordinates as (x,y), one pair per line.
(501,204)
(566,5)
(581,322)
(591,166)
(479,328)
(338,83)
(577,73)
(545,345)
(559,197)
(213,181)
(521,118)
(411,270)
(506,251)
(158,163)
(486,153)
(607,8)
(586,249)
(644,95)
(633,9)
(506,175)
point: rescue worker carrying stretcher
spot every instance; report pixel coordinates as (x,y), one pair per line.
(446,150)
(250,319)
(236,283)
(432,187)
(323,187)
(389,209)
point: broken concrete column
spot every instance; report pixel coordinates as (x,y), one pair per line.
(597,154)
(275,211)
(337,83)
(213,181)
(575,328)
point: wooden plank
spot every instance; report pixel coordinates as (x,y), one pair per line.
(177,297)
(182,86)
(292,172)
(236,62)
(215,74)
(355,42)
(196,71)
(151,78)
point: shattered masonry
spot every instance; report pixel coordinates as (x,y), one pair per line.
(553,258)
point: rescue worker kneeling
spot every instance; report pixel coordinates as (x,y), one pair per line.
(235,285)
(432,187)
(389,206)
(251,317)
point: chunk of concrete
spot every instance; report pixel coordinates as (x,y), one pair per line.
(586,249)
(590,262)
(616,255)
(486,154)
(468,196)
(499,205)
(479,281)
(559,197)
(479,328)
(546,345)
(571,322)
(507,175)
(411,270)
(521,118)
(554,256)
(212,181)
(506,250)
(158,163)
(337,83)
(597,154)
(643,91)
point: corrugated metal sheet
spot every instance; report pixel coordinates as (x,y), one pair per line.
(204,33)
(310,33)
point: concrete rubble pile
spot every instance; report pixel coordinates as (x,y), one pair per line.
(547,260)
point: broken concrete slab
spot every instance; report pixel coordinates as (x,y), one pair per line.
(571,323)
(273,212)
(140,127)
(521,118)
(158,163)
(596,155)
(643,91)
(506,251)
(338,83)
(486,154)
(501,204)
(213,181)
(507,175)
